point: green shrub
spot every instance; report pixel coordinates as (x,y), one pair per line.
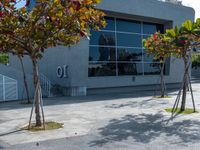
(196,60)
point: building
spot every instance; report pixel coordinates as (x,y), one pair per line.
(114,59)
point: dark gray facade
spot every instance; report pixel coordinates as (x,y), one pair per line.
(68,67)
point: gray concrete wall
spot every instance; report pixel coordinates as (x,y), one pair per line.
(75,57)
(149,8)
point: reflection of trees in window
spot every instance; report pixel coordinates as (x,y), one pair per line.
(149,58)
(90,58)
(127,69)
(158,66)
(151,28)
(106,39)
(125,55)
(106,53)
(152,68)
(105,69)
(155,65)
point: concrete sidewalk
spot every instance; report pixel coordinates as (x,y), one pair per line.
(124,121)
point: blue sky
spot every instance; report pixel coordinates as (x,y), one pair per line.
(21,4)
(195,4)
(192,3)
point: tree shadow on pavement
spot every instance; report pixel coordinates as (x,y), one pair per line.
(145,128)
(144,103)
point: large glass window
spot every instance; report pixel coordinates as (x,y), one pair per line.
(128,26)
(129,54)
(151,68)
(110,24)
(117,50)
(129,40)
(102,69)
(130,69)
(99,53)
(149,28)
(103,38)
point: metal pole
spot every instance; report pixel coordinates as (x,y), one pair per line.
(41,103)
(190,86)
(32,110)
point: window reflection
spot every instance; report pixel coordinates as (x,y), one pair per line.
(102,38)
(128,26)
(151,68)
(150,28)
(129,54)
(102,54)
(149,57)
(130,69)
(145,36)
(118,49)
(129,40)
(110,24)
(102,69)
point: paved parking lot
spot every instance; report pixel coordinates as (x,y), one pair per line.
(114,121)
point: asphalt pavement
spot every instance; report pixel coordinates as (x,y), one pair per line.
(131,121)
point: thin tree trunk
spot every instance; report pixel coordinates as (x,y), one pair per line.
(185,85)
(162,84)
(37,90)
(25,81)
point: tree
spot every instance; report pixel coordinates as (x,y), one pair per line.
(48,24)
(196,54)
(178,42)
(4,59)
(25,80)
(158,46)
(183,41)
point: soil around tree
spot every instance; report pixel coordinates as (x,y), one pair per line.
(178,111)
(51,125)
(25,102)
(160,97)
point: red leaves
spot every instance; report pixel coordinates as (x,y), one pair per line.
(161,57)
(82,33)
(1,14)
(9,32)
(77,5)
(28,3)
(155,36)
(183,42)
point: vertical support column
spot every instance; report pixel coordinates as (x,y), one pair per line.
(16,90)
(4,92)
(142,35)
(116,47)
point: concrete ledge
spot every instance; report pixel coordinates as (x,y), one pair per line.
(131,89)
